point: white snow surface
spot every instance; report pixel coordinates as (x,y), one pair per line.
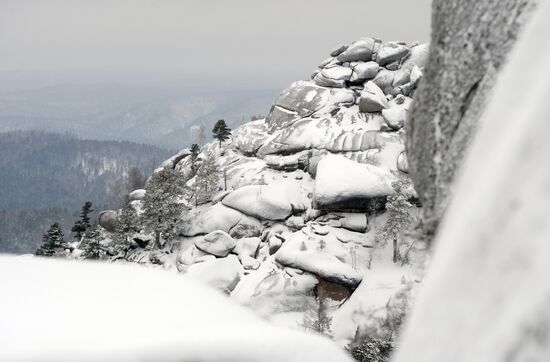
(54,310)
(486,295)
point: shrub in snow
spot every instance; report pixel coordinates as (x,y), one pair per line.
(371,349)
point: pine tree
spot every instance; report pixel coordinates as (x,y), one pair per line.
(317,318)
(195,150)
(53,242)
(221,132)
(398,215)
(127,224)
(91,243)
(83,224)
(207,179)
(161,204)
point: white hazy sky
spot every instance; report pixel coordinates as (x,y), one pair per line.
(245,42)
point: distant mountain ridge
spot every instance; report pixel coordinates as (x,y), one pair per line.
(46,177)
(161,115)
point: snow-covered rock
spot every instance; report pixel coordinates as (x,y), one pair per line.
(206,220)
(364,71)
(295,253)
(247,246)
(136,195)
(372,99)
(340,181)
(275,201)
(218,243)
(222,274)
(361,50)
(391,52)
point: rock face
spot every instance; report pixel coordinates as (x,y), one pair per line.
(503,180)
(463,63)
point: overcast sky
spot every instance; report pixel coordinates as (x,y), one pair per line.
(256,43)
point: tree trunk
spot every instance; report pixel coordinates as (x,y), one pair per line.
(225,179)
(395,248)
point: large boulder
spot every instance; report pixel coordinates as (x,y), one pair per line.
(333,77)
(391,52)
(464,59)
(364,70)
(372,99)
(206,220)
(108,219)
(342,182)
(296,253)
(299,100)
(222,274)
(361,50)
(275,201)
(217,243)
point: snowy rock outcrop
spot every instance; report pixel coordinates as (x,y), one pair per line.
(486,293)
(464,59)
(302,193)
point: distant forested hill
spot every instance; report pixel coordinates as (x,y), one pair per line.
(46,177)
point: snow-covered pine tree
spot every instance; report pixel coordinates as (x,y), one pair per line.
(91,243)
(207,179)
(83,224)
(317,319)
(221,131)
(195,150)
(126,224)
(398,215)
(162,204)
(53,243)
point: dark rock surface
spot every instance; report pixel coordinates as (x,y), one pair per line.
(464,60)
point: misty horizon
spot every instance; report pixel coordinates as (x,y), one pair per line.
(241,44)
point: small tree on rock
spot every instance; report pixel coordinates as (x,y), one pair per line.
(161,205)
(398,215)
(221,131)
(207,179)
(83,224)
(53,242)
(317,319)
(195,150)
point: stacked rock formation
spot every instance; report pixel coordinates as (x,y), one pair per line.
(306,188)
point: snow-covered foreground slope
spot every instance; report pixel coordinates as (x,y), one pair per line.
(486,295)
(297,217)
(69,311)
